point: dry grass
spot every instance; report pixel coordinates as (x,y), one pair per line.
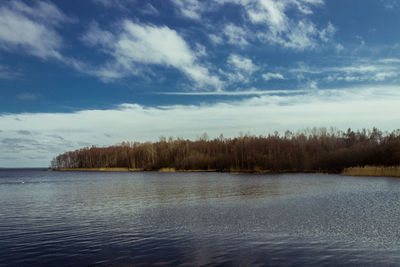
(389,171)
(167,170)
(127,170)
(99,169)
(208,170)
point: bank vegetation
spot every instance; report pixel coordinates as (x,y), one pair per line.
(312,150)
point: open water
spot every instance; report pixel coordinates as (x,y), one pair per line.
(197,219)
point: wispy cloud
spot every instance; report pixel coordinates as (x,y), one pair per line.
(390,60)
(271,18)
(31,29)
(43,11)
(242,63)
(7,73)
(215,39)
(377,77)
(327,33)
(339,47)
(149,9)
(240,68)
(363,70)
(236,35)
(119,4)
(390,4)
(273,76)
(252,92)
(191,9)
(27,96)
(376,72)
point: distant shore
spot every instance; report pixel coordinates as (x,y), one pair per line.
(382,171)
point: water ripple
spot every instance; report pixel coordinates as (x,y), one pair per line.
(141,219)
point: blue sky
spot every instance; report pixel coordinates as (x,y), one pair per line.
(98,72)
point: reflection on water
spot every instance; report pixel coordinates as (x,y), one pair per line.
(65,218)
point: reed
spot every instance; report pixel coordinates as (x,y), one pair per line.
(167,170)
(389,171)
(98,169)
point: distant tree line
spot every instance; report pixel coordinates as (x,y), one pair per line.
(314,149)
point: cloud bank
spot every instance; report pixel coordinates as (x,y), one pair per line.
(32,139)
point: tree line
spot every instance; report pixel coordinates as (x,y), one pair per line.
(314,149)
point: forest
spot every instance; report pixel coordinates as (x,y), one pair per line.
(310,150)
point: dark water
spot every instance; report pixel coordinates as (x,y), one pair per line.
(74,218)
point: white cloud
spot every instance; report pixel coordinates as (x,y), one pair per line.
(122,5)
(339,47)
(376,77)
(241,68)
(390,4)
(190,8)
(273,76)
(249,92)
(31,30)
(7,73)
(96,36)
(236,35)
(26,96)
(304,68)
(304,6)
(363,71)
(107,72)
(327,33)
(215,39)
(299,37)
(242,63)
(268,12)
(138,44)
(361,39)
(390,60)
(45,12)
(200,50)
(53,133)
(149,9)
(355,69)
(312,85)
(294,32)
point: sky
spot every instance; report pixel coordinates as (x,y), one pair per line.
(99,72)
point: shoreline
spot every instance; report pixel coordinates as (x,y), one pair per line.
(170,170)
(371,171)
(159,170)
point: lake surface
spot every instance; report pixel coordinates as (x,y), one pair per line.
(150,218)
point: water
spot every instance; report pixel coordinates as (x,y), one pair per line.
(140,219)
